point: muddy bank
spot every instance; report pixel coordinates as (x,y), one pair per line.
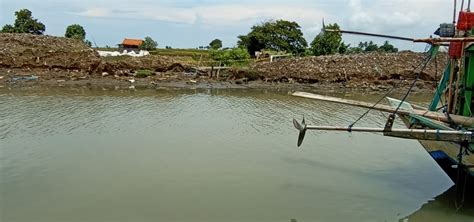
(356,70)
(57,61)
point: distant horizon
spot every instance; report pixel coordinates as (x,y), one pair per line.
(194,23)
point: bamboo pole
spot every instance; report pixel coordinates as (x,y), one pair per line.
(370,34)
(445,40)
(419,134)
(460,120)
(450,87)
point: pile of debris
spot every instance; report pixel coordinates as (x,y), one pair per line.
(352,70)
(26,51)
(53,57)
(125,65)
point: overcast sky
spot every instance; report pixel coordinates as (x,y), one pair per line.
(191,23)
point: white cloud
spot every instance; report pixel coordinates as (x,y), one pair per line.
(95,12)
(411,18)
(220,14)
(394,15)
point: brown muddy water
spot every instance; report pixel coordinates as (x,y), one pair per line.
(206,155)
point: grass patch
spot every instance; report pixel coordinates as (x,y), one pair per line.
(143,73)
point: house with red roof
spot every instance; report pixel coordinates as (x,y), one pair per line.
(131,44)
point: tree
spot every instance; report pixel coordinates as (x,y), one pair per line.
(149,44)
(25,23)
(387,47)
(343,48)
(215,44)
(76,32)
(8,29)
(89,43)
(277,35)
(371,47)
(328,43)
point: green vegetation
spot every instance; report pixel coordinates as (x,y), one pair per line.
(75,31)
(215,44)
(328,43)
(149,44)
(143,73)
(88,43)
(231,57)
(387,47)
(25,23)
(370,46)
(277,35)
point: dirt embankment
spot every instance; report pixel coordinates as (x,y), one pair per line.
(357,70)
(24,51)
(57,60)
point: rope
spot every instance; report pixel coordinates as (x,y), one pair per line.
(424,63)
(412,85)
(457,205)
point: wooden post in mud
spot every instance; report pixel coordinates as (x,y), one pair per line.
(219,70)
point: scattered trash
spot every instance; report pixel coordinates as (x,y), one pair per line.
(354,70)
(1,77)
(105,74)
(131,80)
(25,78)
(191,74)
(141,53)
(131,87)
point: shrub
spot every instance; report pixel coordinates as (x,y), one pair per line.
(143,73)
(234,56)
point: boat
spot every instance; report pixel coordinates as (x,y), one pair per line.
(446,127)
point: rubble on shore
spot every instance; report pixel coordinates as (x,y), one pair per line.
(354,70)
(57,60)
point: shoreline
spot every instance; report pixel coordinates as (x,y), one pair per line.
(204,83)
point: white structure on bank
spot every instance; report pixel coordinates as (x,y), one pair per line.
(141,53)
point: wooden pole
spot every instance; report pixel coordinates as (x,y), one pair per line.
(460,120)
(219,70)
(419,134)
(450,87)
(370,34)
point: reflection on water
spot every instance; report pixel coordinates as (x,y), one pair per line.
(443,208)
(202,155)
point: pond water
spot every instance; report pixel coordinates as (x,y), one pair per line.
(205,155)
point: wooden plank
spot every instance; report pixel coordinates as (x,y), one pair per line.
(418,134)
(460,120)
(205,68)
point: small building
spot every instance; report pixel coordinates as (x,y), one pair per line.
(131,44)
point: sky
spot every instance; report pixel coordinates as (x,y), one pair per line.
(194,23)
